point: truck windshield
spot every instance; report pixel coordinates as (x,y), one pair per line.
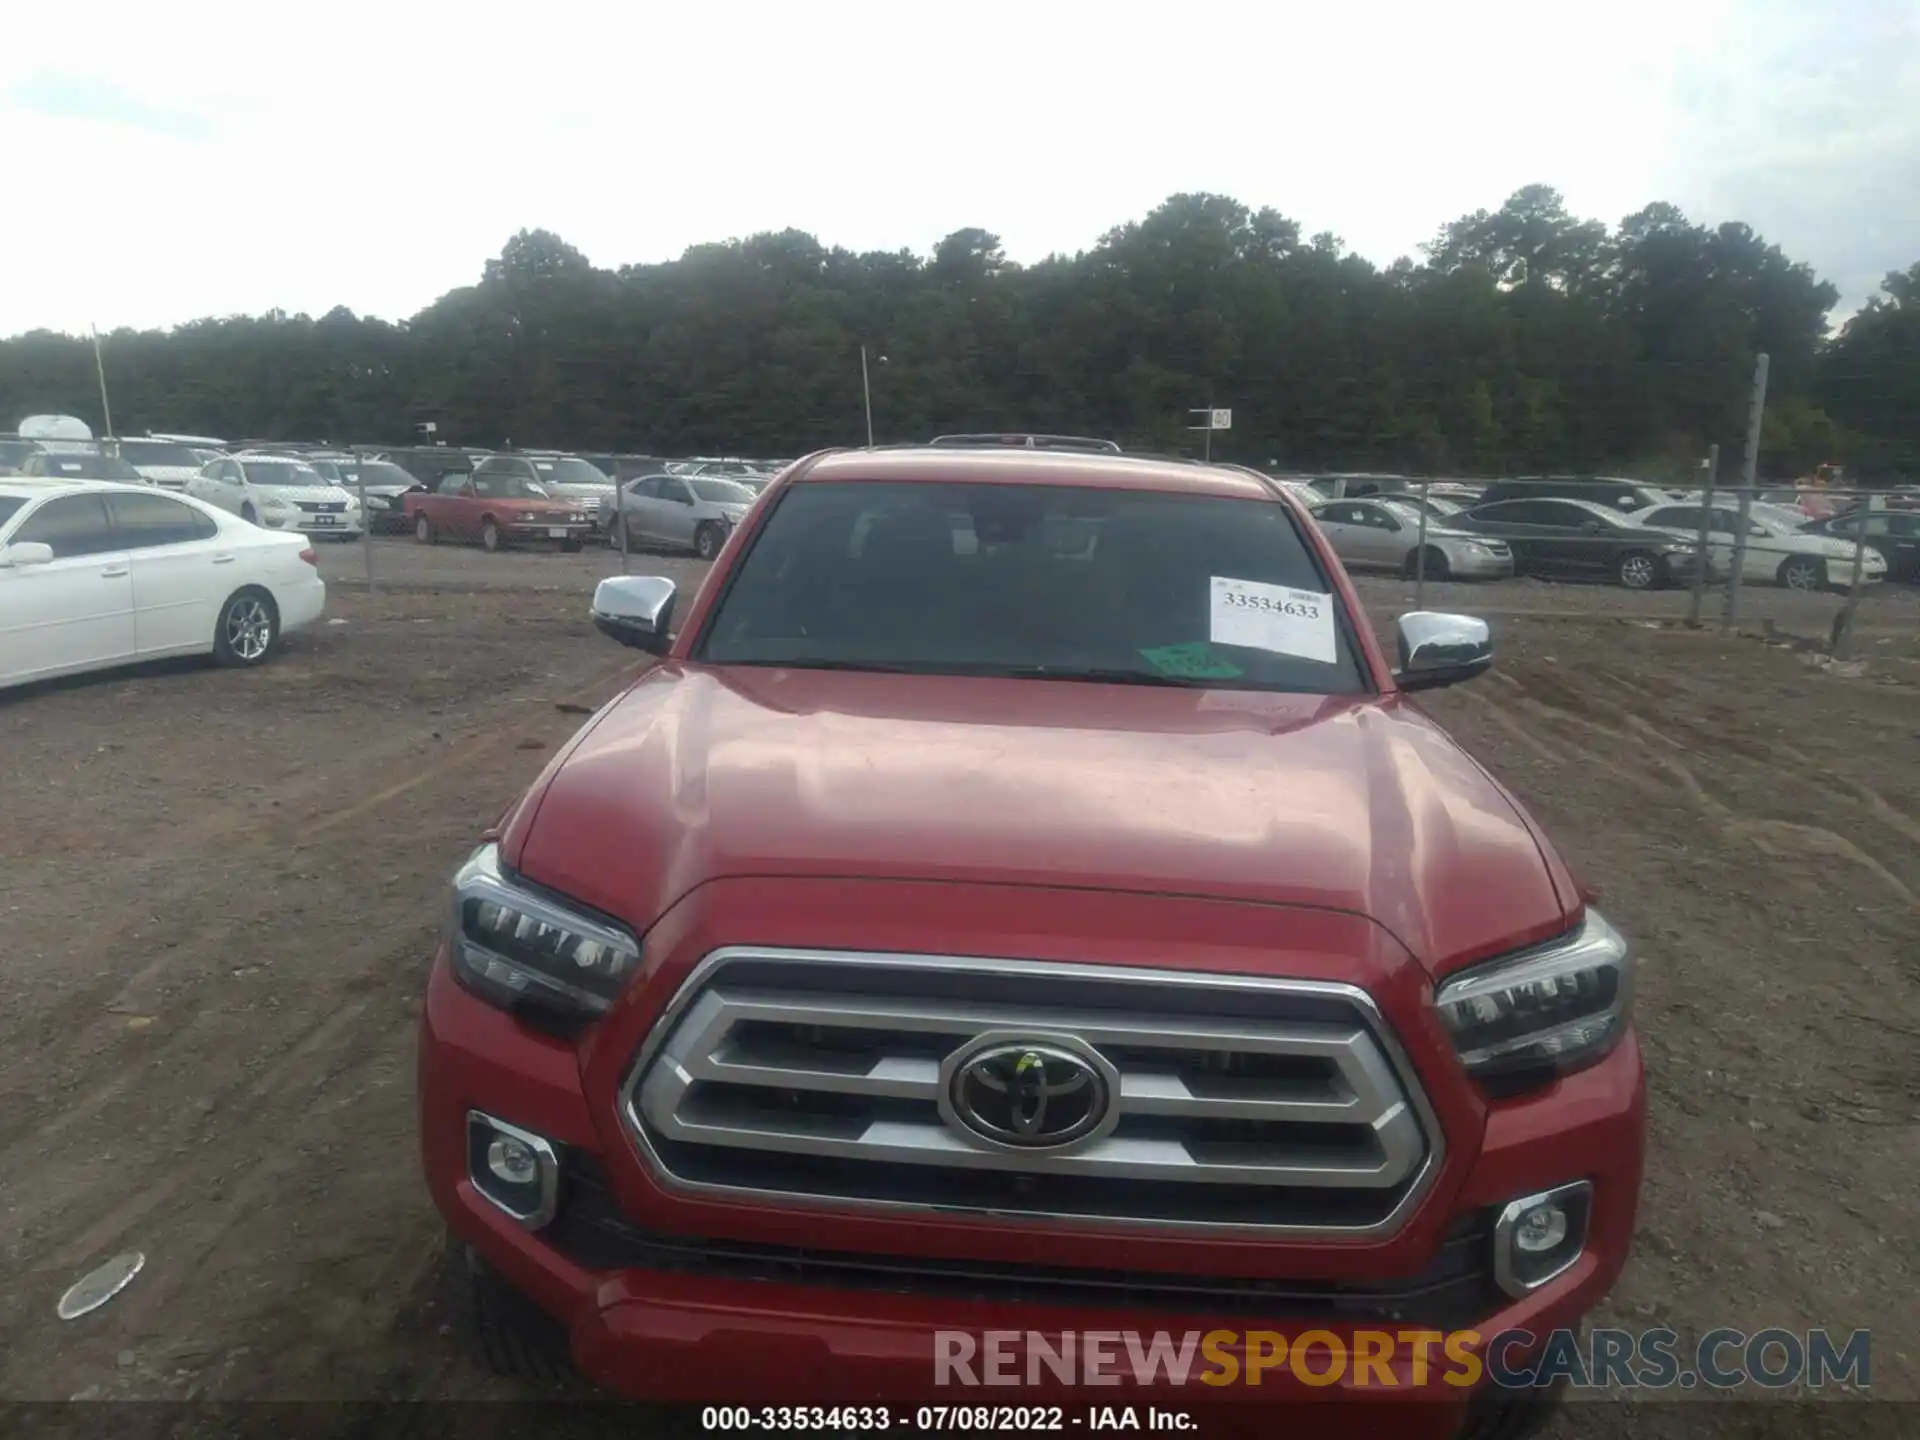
(1041,582)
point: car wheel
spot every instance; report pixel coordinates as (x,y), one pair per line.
(1436,564)
(423,531)
(249,514)
(1803,572)
(247,630)
(1638,570)
(489,537)
(513,1335)
(708,539)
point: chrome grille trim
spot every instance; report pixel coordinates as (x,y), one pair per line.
(716,1080)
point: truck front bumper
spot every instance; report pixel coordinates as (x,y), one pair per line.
(700,1327)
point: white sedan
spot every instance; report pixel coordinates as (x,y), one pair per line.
(278,492)
(95,574)
(1778,551)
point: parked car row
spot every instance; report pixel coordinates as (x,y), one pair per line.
(1636,536)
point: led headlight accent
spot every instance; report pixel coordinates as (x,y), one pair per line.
(1560,1006)
(512,945)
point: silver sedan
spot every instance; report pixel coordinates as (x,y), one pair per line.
(1384,534)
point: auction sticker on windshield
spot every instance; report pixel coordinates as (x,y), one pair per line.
(1272,617)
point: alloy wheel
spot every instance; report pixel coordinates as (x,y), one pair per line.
(249,628)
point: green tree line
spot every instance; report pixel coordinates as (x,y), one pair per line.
(1524,339)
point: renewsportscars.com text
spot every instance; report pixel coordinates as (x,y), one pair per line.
(1390,1359)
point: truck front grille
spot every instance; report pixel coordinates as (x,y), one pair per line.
(1234,1103)
(1454,1290)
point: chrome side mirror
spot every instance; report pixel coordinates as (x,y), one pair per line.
(635,610)
(1438,649)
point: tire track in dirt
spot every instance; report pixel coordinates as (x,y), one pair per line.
(1711,729)
(272,1118)
(1775,837)
(207,1116)
(71,1016)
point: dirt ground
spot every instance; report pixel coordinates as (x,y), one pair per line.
(220,889)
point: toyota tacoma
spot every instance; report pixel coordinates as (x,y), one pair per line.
(1023,896)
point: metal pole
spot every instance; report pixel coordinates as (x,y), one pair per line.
(1702,552)
(1843,625)
(366,521)
(866,394)
(1420,554)
(100,369)
(1749,467)
(620,519)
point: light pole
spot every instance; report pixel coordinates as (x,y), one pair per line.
(100,369)
(866,394)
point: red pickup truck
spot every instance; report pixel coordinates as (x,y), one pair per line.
(495,508)
(1024,900)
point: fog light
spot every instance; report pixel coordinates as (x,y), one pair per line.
(517,1170)
(1538,1237)
(1540,1228)
(514,1162)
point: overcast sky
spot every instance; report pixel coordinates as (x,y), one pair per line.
(204,158)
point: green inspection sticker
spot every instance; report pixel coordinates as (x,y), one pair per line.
(1193,662)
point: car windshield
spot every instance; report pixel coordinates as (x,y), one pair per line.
(1407,508)
(8,505)
(1773,520)
(1042,582)
(377,472)
(12,452)
(90,467)
(158,452)
(721,492)
(283,474)
(571,472)
(508,487)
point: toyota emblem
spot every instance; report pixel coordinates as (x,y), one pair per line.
(1030,1094)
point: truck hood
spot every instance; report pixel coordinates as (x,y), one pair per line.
(1358,804)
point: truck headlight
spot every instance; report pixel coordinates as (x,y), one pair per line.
(514,946)
(1557,1007)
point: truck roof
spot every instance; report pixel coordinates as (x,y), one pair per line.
(1019,466)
